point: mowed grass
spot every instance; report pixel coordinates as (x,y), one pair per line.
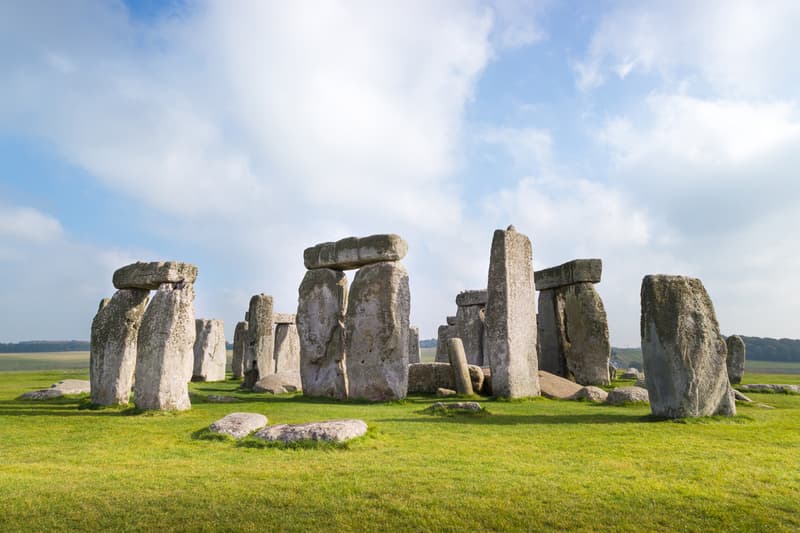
(528,465)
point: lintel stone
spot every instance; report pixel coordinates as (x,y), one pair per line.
(354,252)
(150,276)
(576,271)
(476,297)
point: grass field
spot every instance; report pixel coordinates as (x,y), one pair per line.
(532,465)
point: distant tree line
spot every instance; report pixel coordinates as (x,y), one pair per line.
(427,343)
(44,346)
(766,349)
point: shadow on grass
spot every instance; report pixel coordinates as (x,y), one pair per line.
(495,419)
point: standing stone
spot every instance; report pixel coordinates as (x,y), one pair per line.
(511,316)
(587,348)
(239,341)
(112,356)
(736,357)
(444,333)
(259,350)
(376,336)
(469,328)
(413,344)
(287,348)
(165,354)
(320,324)
(210,354)
(551,339)
(684,354)
(458,363)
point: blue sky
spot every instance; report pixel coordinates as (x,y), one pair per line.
(663,137)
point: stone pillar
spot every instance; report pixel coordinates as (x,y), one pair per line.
(736,357)
(413,345)
(210,354)
(511,316)
(165,354)
(551,338)
(112,356)
(239,341)
(287,348)
(259,350)
(683,352)
(320,324)
(441,344)
(458,364)
(469,324)
(376,338)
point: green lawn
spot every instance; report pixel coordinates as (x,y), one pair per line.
(534,465)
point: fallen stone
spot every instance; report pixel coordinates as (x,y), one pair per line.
(442,392)
(59,389)
(413,344)
(239,342)
(623,395)
(150,276)
(736,358)
(576,271)
(770,387)
(331,431)
(454,407)
(354,252)
(683,352)
(217,398)
(284,318)
(591,394)
(511,316)
(287,349)
(42,394)
(556,387)
(238,425)
(210,354)
(260,347)
(475,297)
(426,378)
(741,397)
(280,383)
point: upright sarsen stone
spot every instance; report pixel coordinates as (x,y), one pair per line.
(683,352)
(320,324)
(413,345)
(469,328)
(287,348)
(736,357)
(587,348)
(376,338)
(210,355)
(112,356)
(443,334)
(239,342)
(260,346)
(511,316)
(165,355)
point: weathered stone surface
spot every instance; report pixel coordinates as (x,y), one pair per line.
(511,316)
(632,373)
(165,355)
(454,407)
(284,318)
(112,356)
(280,383)
(354,252)
(452,320)
(736,357)
(474,297)
(376,336)
(444,333)
(771,387)
(331,431)
(592,394)
(469,328)
(239,341)
(260,347)
(556,387)
(41,394)
(287,349)
(320,324)
(458,364)
(413,344)
(550,323)
(623,395)
(683,352)
(150,276)
(741,397)
(238,425)
(72,386)
(251,377)
(210,354)
(425,378)
(576,271)
(443,393)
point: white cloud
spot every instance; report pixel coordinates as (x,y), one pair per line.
(28,224)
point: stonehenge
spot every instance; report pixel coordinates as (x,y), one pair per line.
(573,327)
(355,344)
(736,357)
(685,357)
(210,355)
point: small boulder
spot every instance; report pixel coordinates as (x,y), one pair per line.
(454,407)
(238,425)
(623,395)
(442,392)
(331,431)
(556,387)
(279,383)
(591,393)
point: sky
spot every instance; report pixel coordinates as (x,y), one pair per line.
(662,137)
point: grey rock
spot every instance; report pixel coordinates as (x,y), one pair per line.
(458,364)
(425,378)
(452,320)
(511,317)
(556,387)
(165,355)
(470,329)
(771,387)
(331,431)
(238,425)
(444,333)
(741,397)
(592,394)
(736,358)
(42,394)
(287,348)
(320,324)
(641,382)
(354,252)
(551,333)
(443,393)
(260,346)
(239,342)
(576,271)
(454,407)
(632,373)
(413,344)
(623,395)
(683,352)
(112,355)
(217,398)
(210,354)
(284,318)
(150,276)
(474,297)
(376,336)
(280,383)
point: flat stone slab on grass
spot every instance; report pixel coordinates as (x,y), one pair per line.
(238,425)
(59,389)
(42,394)
(556,387)
(454,407)
(591,393)
(770,387)
(623,395)
(150,276)
(354,252)
(330,431)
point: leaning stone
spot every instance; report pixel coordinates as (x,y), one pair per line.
(469,328)
(284,318)
(279,383)
(377,333)
(331,431)
(556,387)
(684,354)
(413,344)
(165,354)
(112,355)
(320,325)
(623,395)
(150,276)
(591,394)
(442,392)
(736,357)
(458,364)
(287,349)
(511,316)
(475,297)
(238,425)
(210,354)
(239,341)
(260,347)
(353,252)
(576,271)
